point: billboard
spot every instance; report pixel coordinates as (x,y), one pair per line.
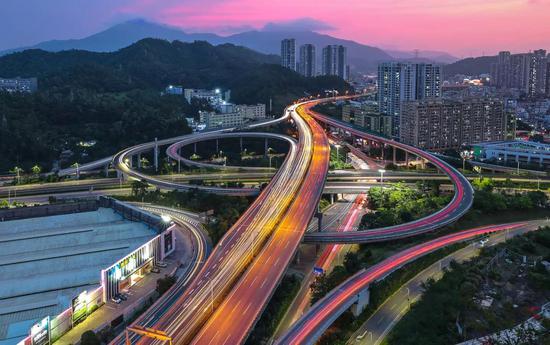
(80,307)
(40,332)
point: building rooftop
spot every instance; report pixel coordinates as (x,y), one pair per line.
(45,262)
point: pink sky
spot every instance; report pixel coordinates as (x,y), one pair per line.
(461,27)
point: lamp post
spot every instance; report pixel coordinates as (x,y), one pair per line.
(337,151)
(466,154)
(381,171)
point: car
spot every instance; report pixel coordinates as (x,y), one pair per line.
(155,270)
(483,241)
(122,296)
(162,264)
(116,299)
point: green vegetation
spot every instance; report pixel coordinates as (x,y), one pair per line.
(487,201)
(338,158)
(346,324)
(275,310)
(114,98)
(164,284)
(400,204)
(34,129)
(89,338)
(498,273)
(225,209)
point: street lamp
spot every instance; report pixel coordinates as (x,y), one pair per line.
(465,154)
(337,151)
(381,171)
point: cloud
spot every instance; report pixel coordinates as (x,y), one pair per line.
(300,24)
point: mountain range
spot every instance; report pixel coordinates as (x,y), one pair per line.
(361,58)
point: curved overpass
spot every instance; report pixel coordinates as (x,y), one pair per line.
(119,161)
(172,150)
(276,215)
(200,246)
(459,205)
(236,316)
(323,313)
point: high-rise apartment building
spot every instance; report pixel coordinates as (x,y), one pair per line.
(526,72)
(538,66)
(448,124)
(307,60)
(366,115)
(335,61)
(288,53)
(399,82)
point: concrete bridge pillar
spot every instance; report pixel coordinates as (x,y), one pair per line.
(406,158)
(106,170)
(422,163)
(319,221)
(156,155)
(394,155)
(194,148)
(241,143)
(332,199)
(297,256)
(265,147)
(362,301)
(139,160)
(217,146)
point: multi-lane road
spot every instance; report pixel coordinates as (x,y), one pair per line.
(321,315)
(459,205)
(268,232)
(226,297)
(381,322)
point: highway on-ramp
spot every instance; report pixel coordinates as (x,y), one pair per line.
(459,205)
(321,315)
(235,317)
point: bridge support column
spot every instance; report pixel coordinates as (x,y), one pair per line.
(422,163)
(332,199)
(297,256)
(266,147)
(156,155)
(194,148)
(106,170)
(319,221)
(406,158)
(241,143)
(394,155)
(362,301)
(139,160)
(217,146)
(383,148)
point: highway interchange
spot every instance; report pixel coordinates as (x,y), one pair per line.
(225,297)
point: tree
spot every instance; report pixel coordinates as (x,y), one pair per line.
(352,262)
(164,284)
(139,188)
(36,170)
(89,338)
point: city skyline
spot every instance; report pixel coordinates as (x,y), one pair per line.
(394,25)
